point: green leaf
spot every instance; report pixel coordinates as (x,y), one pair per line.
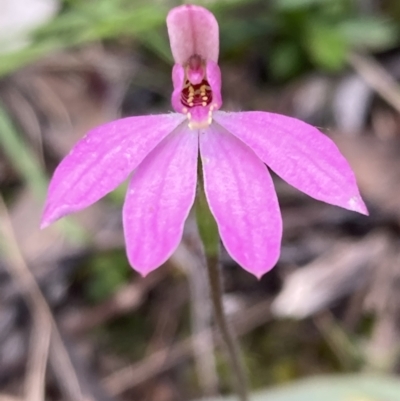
(289,5)
(369,33)
(107,272)
(332,388)
(158,43)
(327,46)
(285,60)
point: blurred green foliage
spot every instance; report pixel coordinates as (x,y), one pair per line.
(82,21)
(25,161)
(105,273)
(323,31)
(32,173)
(127,336)
(292,35)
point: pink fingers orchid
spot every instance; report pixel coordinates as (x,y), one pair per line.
(162,152)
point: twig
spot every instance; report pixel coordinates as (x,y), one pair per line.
(127,299)
(28,166)
(38,354)
(337,339)
(377,78)
(34,297)
(160,361)
(35,381)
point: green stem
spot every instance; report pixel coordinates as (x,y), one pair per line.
(208,231)
(227,334)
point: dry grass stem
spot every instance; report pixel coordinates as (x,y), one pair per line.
(160,361)
(35,300)
(377,78)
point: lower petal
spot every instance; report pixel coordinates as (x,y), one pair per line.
(158,201)
(242,199)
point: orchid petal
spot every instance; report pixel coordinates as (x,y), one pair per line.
(242,199)
(178,81)
(159,198)
(213,74)
(102,160)
(193,30)
(298,153)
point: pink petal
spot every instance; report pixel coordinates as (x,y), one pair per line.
(213,74)
(102,160)
(193,30)
(178,81)
(242,199)
(159,199)
(299,153)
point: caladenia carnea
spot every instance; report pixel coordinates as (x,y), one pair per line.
(235,148)
(162,152)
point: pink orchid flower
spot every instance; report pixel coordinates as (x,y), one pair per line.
(163,150)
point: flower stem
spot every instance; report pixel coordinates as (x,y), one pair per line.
(209,234)
(228,336)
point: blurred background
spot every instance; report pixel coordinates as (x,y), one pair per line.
(77,323)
